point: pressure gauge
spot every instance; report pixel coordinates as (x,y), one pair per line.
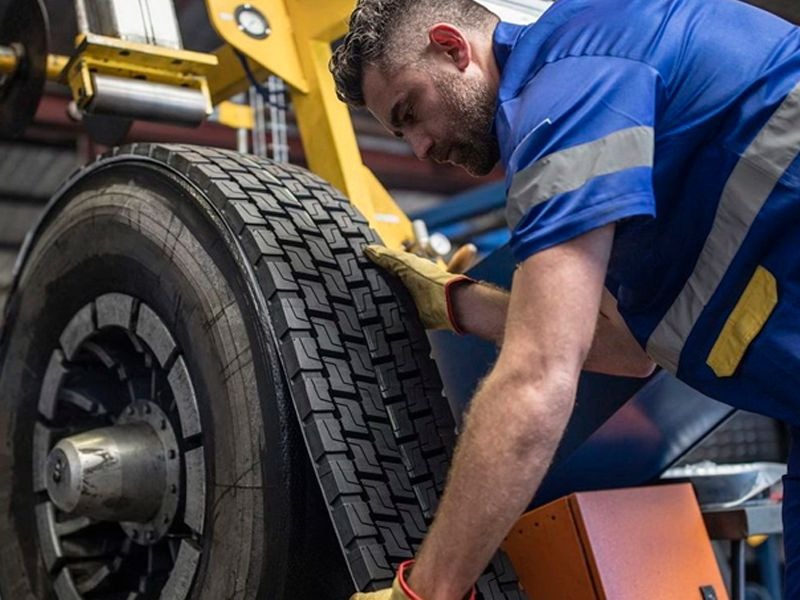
(252,22)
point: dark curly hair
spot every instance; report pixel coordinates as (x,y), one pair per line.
(383,32)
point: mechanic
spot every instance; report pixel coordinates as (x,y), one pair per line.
(651,148)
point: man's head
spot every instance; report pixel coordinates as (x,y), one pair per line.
(426,70)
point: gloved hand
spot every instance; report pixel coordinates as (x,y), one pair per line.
(398,591)
(430,285)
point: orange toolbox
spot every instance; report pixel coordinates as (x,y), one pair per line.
(646,543)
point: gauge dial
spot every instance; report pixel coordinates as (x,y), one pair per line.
(252,22)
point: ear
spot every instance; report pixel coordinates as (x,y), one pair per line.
(449,39)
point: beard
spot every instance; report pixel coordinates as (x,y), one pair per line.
(470,105)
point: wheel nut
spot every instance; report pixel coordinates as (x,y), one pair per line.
(58,470)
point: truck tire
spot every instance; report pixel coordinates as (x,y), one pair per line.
(221,301)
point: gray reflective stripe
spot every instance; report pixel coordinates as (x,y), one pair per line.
(570,169)
(746,191)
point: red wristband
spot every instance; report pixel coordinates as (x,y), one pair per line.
(401,579)
(448,289)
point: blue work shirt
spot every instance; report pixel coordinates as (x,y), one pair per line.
(680,121)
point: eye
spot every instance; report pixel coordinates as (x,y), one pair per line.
(408,117)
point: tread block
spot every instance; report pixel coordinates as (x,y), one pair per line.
(334,285)
(229,166)
(366,460)
(221,192)
(284,197)
(315,297)
(428,498)
(364,303)
(333,237)
(320,251)
(394,539)
(339,375)
(327,336)
(348,322)
(325,436)
(242,214)
(290,314)
(283,228)
(248,181)
(260,241)
(312,394)
(413,459)
(380,502)
(265,176)
(301,262)
(268,204)
(400,420)
(300,353)
(303,221)
(368,563)
(375,337)
(371,401)
(352,416)
(339,477)
(388,382)
(275,277)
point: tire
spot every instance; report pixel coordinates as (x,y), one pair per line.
(315,395)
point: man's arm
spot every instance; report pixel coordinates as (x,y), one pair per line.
(518,416)
(482,311)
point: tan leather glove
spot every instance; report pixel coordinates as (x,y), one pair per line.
(430,285)
(393,593)
(399,589)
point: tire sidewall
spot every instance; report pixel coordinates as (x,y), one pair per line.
(137,233)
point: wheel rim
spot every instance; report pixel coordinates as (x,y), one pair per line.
(118,464)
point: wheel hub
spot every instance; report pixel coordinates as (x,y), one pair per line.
(127,473)
(118,457)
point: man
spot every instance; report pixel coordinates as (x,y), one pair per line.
(650,147)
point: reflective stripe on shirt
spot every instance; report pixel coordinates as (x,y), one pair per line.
(570,169)
(750,184)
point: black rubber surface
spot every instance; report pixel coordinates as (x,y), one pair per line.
(368,397)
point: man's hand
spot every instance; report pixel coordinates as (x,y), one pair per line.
(399,590)
(429,284)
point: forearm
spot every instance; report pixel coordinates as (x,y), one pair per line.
(510,436)
(481,309)
(615,351)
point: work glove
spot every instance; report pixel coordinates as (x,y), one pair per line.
(430,285)
(399,589)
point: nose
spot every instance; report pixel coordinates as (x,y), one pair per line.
(421,144)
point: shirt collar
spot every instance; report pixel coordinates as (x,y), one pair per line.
(505,37)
